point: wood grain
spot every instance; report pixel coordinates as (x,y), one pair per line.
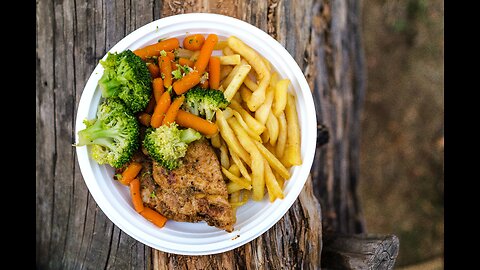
(71,230)
(360,251)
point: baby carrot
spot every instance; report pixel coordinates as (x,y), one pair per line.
(154,217)
(154,49)
(188,81)
(160,110)
(136,196)
(154,70)
(193,42)
(145,119)
(214,72)
(171,55)
(190,120)
(184,61)
(130,173)
(158,89)
(205,53)
(173,65)
(173,110)
(166,71)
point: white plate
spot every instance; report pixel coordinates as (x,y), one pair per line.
(254,218)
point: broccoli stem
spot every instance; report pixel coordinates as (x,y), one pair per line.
(189,135)
(110,87)
(97,134)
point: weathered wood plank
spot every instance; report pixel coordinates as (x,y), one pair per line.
(72,232)
(45,136)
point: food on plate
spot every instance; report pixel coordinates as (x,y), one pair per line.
(129,173)
(155,49)
(193,42)
(127,77)
(113,134)
(204,102)
(196,128)
(167,144)
(195,191)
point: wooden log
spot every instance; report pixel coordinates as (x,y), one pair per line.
(339,88)
(361,251)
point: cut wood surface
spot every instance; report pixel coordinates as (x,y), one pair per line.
(323,37)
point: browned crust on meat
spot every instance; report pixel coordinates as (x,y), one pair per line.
(194,192)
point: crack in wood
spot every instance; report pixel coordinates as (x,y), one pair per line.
(272,18)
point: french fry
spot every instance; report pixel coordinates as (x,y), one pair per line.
(233,187)
(261,114)
(227,80)
(235,205)
(272,127)
(241,167)
(229,137)
(255,60)
(234,197)
(194,56)
(237,97)
(282,135)
(183,53)
(245,93)
(270,148)
(258,177)
(272,160)
(220,45)
(224,71)
(273,80)
(233,59)
(267,63)
(235,170)
(250,84)
(245,195)
(215,140)
(265,136)
(227,113)
(240,181)
(237,80)
(254,125)
(243,124)
(227,50)
(274,190)
(292,155)
(280,96)
(224,158)
(235,200)
(280,179)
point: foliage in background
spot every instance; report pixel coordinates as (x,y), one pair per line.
(401,185)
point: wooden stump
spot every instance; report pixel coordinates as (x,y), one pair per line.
(324,38)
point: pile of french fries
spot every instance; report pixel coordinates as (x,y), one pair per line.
(259,138)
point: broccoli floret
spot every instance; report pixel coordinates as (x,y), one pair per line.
(204,102)
(126,76)
(113,135)
(167,144)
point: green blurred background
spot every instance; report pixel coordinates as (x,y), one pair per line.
(402,165)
